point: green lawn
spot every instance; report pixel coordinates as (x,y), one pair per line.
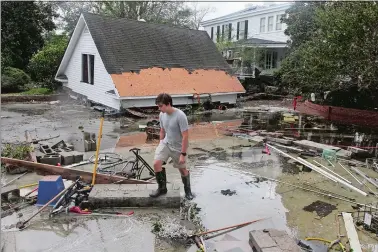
(33,91)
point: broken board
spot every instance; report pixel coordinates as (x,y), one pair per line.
(71,174)
(354,242)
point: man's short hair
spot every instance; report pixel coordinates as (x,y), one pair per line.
(164,98)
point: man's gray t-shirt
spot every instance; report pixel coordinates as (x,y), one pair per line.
(173,125)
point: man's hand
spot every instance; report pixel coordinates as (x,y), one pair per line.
(182,159)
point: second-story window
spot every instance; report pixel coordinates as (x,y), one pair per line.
(245,29)
(218,33)
(212,33)
(279,22)
(270,23)
(262,24)
(229,31)
(242,30)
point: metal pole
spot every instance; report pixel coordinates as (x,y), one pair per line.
(333,172)
(98,148)
(310,190)
(14,179)
(319,170)
(350,173)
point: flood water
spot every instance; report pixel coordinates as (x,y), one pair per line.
(252,200)
(249,200)
(82,234)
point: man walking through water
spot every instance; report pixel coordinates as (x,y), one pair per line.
(174,141)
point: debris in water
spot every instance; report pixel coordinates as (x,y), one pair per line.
(228,192)
(256,180)
(321,208)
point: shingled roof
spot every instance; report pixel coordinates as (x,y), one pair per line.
(130,46)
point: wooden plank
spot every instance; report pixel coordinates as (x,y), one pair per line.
(354,242)
(314,145)
(71,174)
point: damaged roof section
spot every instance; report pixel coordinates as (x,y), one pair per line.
(179,81)
(129,46)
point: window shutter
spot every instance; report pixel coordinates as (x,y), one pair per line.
(223,32)
(237,31)
(229,31)
(218,33)
(246,29)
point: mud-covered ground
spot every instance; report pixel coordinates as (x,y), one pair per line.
(223,180)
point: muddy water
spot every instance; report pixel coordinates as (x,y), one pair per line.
(252,199)
(82,234)
(45,120)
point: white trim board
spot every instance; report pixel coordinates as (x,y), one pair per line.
(173,96)
(354,242)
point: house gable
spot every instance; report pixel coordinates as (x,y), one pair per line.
(80,50)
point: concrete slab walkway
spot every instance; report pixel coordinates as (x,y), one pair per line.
(112,195)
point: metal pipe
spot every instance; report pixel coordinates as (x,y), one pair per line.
(344,183)
(22,224)
(310,190)
(317,169)
(15,179)
(350,173)
(332,172)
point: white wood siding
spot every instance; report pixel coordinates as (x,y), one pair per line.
(254,27)
(102,80)
(150,102)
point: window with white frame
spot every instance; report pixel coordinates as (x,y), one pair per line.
(262,24)
(279,22)
(241,28)
(87,68)
(270,60)
(270,23)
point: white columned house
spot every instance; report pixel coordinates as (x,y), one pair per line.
(254,27)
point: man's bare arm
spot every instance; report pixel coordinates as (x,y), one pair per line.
(162,134)
(185,141)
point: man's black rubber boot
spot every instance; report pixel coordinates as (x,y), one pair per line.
(161,179)
(188,191)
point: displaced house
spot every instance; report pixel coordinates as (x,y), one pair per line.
(121,63)
(256,27)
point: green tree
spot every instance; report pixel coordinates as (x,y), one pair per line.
(167,12)
(44,64)
(22,27)
(71,12)
(340,54)
(300,20)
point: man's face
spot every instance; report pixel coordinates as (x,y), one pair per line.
(162,108)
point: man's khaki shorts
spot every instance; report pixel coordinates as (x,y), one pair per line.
(163,152)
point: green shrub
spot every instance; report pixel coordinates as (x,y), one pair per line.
(44,64)
(13,80)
